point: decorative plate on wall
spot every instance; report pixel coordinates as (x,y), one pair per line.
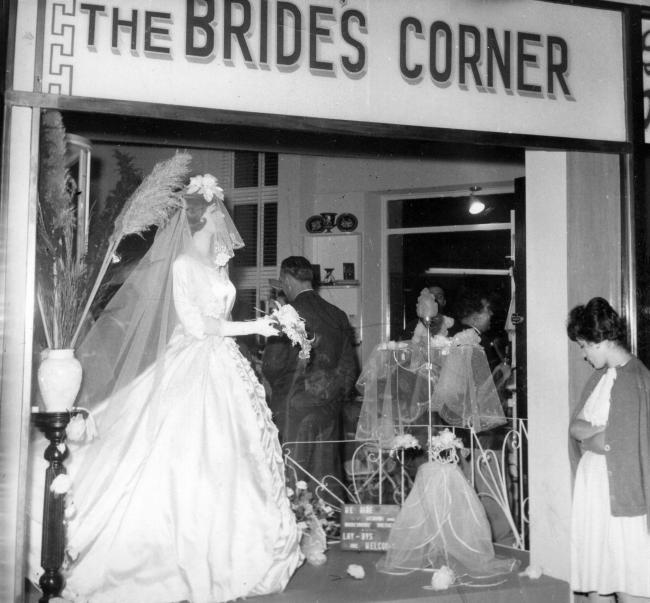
(315,224)
(346,222)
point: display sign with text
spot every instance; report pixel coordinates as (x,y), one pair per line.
(527,67)
(367,527)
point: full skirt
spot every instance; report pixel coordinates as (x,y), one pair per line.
(182,497)
(608,554)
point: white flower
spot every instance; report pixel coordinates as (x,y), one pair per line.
(293,326)
(61,484)
(532,571)
(440,341)
(206,185)
(356,571)
(221,258)
(446,440)
(70,509)
(80,426)
(316,558)
(403,441)
(289,492)
(301,485)
(442,578)
(76,429)
(467,337)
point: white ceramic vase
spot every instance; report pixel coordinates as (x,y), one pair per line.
(59,379)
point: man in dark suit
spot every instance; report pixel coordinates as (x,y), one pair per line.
(307,396)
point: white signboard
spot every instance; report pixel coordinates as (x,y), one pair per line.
(525,67)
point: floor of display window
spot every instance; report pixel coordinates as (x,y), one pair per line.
(329,583)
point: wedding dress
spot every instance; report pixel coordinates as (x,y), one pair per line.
(182,495)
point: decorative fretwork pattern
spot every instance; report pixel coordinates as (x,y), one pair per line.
(57,66)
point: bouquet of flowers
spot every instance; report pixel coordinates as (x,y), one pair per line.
(293,326)
(316,521)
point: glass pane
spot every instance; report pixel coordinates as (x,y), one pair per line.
(246,163)
(442,211)
(270,236)
(270,169)
(245,218)
(476,249)
(411,255)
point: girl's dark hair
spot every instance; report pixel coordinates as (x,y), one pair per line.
(596,321)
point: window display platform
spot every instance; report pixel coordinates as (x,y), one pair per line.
(329,583)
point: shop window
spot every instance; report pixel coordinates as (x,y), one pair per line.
(254,204)
(435,240)
(246,167)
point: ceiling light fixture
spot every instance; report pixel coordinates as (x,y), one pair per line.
(476,206)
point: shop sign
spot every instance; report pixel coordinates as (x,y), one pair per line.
(526,67)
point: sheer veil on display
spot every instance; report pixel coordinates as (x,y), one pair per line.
(133,330)
(396,381)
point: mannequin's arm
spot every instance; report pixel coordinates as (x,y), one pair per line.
(228,328)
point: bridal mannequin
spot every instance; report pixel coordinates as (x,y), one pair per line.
(182,495)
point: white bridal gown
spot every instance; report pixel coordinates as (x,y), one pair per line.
(195,507)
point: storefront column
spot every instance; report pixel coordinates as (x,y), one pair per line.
(549,474)
(573,232)
(17,240)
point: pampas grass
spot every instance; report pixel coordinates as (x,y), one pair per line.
(63,279)
(62,282)
(155,199)
(151,204)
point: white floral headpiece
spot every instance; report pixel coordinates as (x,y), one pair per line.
(207,186)
(444,446)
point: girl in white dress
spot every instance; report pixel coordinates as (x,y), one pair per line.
(182,495)
(610,539)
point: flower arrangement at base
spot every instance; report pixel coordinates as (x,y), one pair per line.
(293,326)
(316,521)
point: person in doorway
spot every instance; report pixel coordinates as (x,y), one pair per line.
(307,396)
(182,497)
(610,451)
(474,311)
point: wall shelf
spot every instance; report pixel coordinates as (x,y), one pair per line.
(332,251)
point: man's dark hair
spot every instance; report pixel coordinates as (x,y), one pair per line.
(297,266)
